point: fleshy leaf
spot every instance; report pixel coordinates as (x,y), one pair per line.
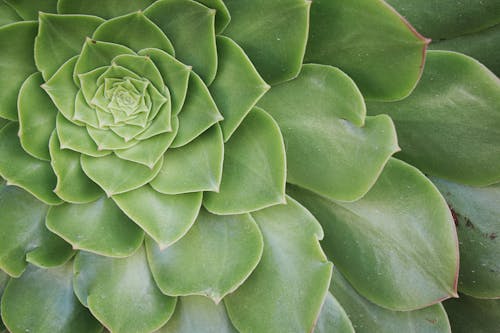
(331,150)
(83,112)
(115,175)
(198,314)
(99,227)
(143,66)
(106,139)
(272,33)
(60,37)
(73,185)
(198,113)
(33,302)
(469,314)
(121,293)
(397,245)
(369,41)
(194,167)
(367,317)
(253,174)
(166,218)
(214,258)
(222,17)
(332,318)
(37,117)
(449,127)
(237,85)
(103,8)
(89,81)
(293,274)
(135,31)
(23,232)
(29,10)
(16,61)
(23,170)
(7,16)
(478,226)
(194,43)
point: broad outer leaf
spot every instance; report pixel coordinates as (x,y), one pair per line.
(469,314)
(198,314)
(222,17)
(29,9)
(367,317)
(103,8)
(286,291)
(397,245)
(42,301)
(166,218)
(121,293)
(254,168)
(213,259)
(450,125)
(99,227)
(272,33)
(16,63)
(369,41)
(332,318)
(7,16)
(23,233)
(477,212)
(331,150)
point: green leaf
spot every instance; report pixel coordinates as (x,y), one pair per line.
(397,245)
(367,317)
(369,41)
(332,318)
(99,227)
(214,258)
(166,218)
(29,10)
(42,301)
(450,125)
(143,66)
(174,73)
(61,37)
(7,16)
(89,82)
(194,43)
(331,150)
(23,232)
(469,314)
(37,117)
(161,124)
(121,293)
(135,31)
(237,85)
(73,185)
(115,175)
(23,170)
(83,112)
(287,289)
(204,156)
(222,17)
(198,314)
(198,113)
(272,33)
(106,139)
(103,8)
(16,61)
(476,212)
(254,168)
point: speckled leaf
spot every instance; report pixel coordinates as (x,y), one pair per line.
(214,258)
(332,318)
(450,125)
(253,174)
(478,226)
(99,227)
(330,148)
(103,8)
(469,314)
(40,294)
(369,41)
(29,10)
(121,293)
(397,245)
(16,61)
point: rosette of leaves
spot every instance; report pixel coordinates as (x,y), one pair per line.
(145,147)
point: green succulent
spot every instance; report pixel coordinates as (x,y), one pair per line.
(249,166)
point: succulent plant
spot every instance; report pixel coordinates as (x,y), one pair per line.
(248,166)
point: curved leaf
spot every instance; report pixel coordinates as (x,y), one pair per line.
(332,318)
(369,41)
(287,289)
(7,16)
(33,302)
(254,168)
(214,258)
(99,227)
(397,245)
(469,314)
(143,66)
(103,8)
(29,10)
(330,148)
(450,125)
(121,293)
(222,17)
